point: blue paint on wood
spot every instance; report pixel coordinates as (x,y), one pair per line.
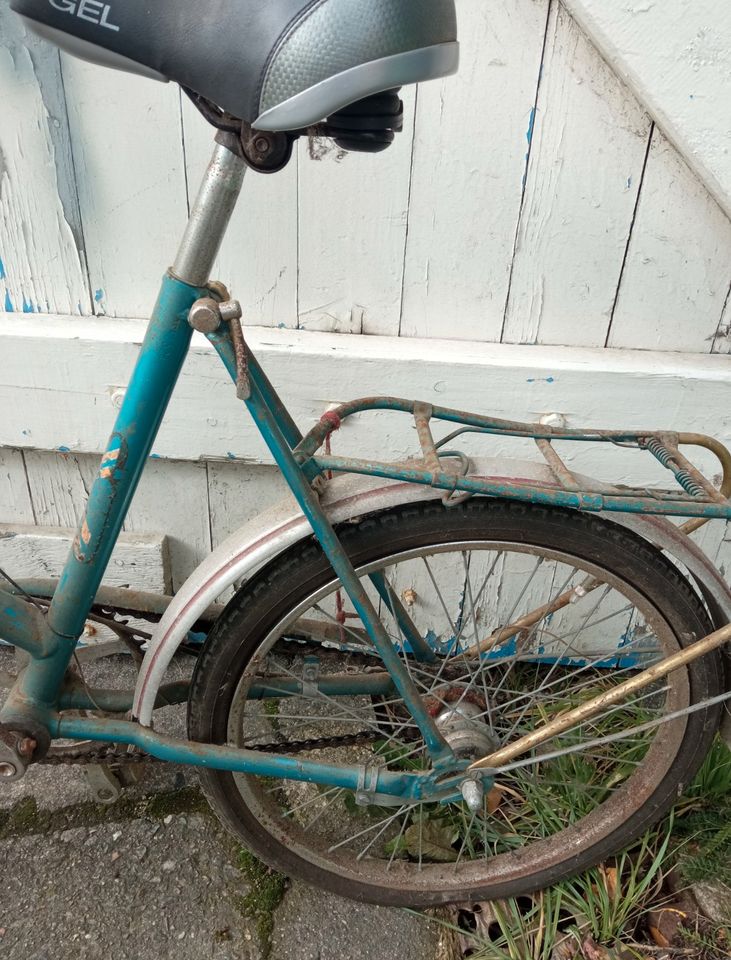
(64,450)
(99,296)
(8,303)
(541,380)
(529,138)
(2,269)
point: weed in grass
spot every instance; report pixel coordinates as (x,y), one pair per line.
(709,942)
(704,822)
(610,900)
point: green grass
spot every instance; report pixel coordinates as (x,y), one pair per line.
(610,903)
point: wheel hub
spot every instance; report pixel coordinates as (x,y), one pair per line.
(464,729)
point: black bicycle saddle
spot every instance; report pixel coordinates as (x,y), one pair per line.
(279,65)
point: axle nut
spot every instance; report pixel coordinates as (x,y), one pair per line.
(473,794)
(8,771)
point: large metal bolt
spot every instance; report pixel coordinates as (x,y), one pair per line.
(205,315)
(8,771)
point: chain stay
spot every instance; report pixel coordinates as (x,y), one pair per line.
(112,755)
(119,756)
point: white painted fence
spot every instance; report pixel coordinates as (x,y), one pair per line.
(533,214)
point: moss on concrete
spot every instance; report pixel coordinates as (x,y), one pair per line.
(25,818)
(266,892)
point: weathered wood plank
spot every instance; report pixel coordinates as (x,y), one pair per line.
(468,173)
(15,502)
(42,264)
(722,343)
(674,55)
(678,266)
(258,259)
(137,562)
(352,233)
(127,143)
(589,143)
(60,483)
(593,387)
(172,499)
(715,540)
(238,492)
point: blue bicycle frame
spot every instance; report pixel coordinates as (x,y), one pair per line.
(41,693)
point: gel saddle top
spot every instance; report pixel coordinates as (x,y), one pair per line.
(279,65)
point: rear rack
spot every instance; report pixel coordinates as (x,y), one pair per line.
(693,496)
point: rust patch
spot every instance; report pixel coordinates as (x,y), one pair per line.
(85,533)
(77,550)
(113,458)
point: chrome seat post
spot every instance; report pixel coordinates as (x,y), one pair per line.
(210,216)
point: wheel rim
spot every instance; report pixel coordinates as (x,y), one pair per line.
(538,814)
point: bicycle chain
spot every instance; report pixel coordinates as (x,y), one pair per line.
(111,755)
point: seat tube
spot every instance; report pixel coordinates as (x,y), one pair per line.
(156,372)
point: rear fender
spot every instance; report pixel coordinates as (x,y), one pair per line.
(348,499)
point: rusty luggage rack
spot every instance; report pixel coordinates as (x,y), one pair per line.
(697,499)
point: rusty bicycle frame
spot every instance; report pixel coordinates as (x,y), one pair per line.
(39,704)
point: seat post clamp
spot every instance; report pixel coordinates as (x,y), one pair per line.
(206,316)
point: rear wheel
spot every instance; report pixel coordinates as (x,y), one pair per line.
(565,606)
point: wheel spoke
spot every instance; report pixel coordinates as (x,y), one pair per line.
(558,645)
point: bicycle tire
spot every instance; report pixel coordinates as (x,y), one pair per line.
(268,600)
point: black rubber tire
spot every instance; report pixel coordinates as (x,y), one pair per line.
(265,600)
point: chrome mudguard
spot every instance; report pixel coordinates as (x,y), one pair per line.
(348,499)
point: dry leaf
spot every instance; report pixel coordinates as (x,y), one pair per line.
(663,925)
(432,841)
(658,936)
(494,799)
(594,951)
(610,880)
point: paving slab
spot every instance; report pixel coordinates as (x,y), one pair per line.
(131,890)
(313,925)
(154,875)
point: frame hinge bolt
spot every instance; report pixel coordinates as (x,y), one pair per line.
(205,315)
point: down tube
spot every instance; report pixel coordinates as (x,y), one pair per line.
(161,358)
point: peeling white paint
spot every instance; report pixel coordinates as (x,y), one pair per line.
(589,139)
(41,268)
(676,56)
